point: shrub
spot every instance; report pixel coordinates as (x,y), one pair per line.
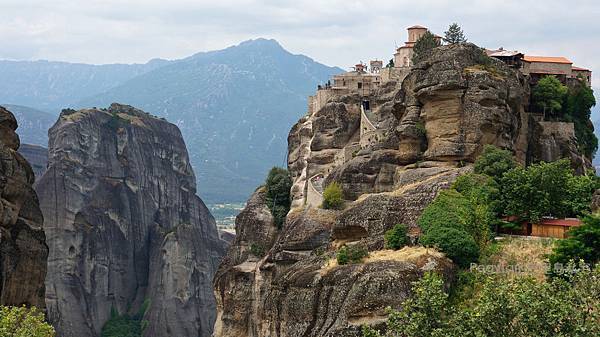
(583,243)
(351,254)
(396,237)
(257,250)
(126,325)
(448,209)
(278,186)
(494,162)
(458,245)
(519,307)
(22,321)
(333,196)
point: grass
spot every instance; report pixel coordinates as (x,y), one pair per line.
(411,254)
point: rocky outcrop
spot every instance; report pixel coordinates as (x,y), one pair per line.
(23,251)
(125,226)
(421,133)
(37,156)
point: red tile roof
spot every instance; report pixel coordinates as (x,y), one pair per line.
(579,69)
(561,222)
(547,59)
(416,27)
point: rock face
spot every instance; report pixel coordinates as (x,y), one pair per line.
(125,225)
(23,251)
(392,156)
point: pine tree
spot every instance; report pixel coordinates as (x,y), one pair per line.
(454,34)
(423,46)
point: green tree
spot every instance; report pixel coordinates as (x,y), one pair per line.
(278,186)
(548,94)
(583,243)
(390,64)
(351,254)
(23,322)
(454,34)
(494,162)
(546,189)
(423,46)
(333,196)
(515,307)
(457,244)
(126,325)
(577,108)
(396,237)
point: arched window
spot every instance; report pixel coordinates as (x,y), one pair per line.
(405,61)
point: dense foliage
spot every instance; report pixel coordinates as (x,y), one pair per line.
(519,307)
(351,254)
(494,162)
(457,244)
(333,196)
(546,189)
(278,186)
(23,322)
(570,104)
(423,46)
(454,34)
(396,237)
(126,325)
(582,244)
(577,108)
(549,94)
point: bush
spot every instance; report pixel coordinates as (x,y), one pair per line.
(351,254)
(396,237)
(22,322)
(519,307)
(494,162)
(333,197)
(458,245)
(257,250)
(449,209)
(583,243)
(126,325)
(423,46)
(278,186)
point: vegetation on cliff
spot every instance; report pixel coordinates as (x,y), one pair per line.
(502,307)
(23,322)
(570,104)
(278,187)
(126,325)
(424,45)
(333,196)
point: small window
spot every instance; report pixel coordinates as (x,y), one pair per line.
(359,85)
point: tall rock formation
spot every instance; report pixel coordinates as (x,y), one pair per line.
(392,156)
(124,225)
(23,251)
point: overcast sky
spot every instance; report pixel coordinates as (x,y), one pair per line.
(335,32)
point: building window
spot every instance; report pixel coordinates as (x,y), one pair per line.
(359,85)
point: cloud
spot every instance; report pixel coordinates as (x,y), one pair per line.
(336,32)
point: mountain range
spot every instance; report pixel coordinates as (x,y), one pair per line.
(233,106)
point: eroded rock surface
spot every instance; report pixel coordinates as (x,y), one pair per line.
(23,251)
(391,157)
(125,225)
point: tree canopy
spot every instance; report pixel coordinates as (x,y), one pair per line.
(278,186)
(454,34)
(549,94)
(423,46)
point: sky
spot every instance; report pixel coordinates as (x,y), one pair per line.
(334,32)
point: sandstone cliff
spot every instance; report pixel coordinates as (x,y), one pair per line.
(124,225)
(391,155)
(23,251)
